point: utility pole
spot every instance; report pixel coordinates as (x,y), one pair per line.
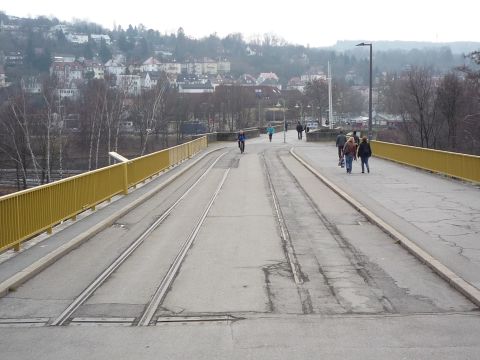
(330,106)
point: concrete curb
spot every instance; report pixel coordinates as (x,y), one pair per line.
(41,264)
(469,291)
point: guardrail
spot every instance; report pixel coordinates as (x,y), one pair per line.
(461,166)
(27,213)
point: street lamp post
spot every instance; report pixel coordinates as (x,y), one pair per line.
(284,120)
(369,92)
(300,106)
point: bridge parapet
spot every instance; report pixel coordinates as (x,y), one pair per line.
(27,213)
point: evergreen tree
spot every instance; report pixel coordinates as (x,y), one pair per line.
(104,53)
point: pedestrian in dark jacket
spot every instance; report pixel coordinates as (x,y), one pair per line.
(340,143)
(299,130)
(364,152)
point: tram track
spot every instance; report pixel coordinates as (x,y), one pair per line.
(100,279)
(356,267)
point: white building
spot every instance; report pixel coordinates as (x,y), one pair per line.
(223,67)
(98,38)
(67,72)
(151,64)
(171,68)
(71,93)
(115,68)
(96,68)
(3,77)
(132,84)
(31,85)
(77,38)
(263,77)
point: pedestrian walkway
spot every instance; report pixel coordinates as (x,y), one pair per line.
(439,214)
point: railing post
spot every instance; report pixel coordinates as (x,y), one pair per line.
(125,178)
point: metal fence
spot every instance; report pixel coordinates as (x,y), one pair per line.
(27,213)
(461,166)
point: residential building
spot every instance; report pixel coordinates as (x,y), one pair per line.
(246,80)
(3,77)
(71,93)
(296,83)
(65,58)
(95,68)
(132,84)
(77,38)
(67,72)
(266,76)
(115,68)
(99,37)
(309,77)
(31,85)
(196,88)
(223,67)
(151,64)
(150,79)
(171,68)
(14,58)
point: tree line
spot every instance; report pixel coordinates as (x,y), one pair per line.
(439,112)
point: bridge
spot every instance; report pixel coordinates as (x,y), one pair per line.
(276,253)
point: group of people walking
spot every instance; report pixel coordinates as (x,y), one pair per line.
(350,149)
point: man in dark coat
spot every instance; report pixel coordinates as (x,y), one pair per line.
(340,143)
(299,130)
(364,152)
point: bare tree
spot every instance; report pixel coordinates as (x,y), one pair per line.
(418,99)
(316,91)
(20,113)
(449,103)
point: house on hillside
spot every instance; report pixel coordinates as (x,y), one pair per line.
(14,58)
(31,85)
(64,58)
(3,77)
(115,68)
(196,88)
(66,71)
(99,37)
(77,38)
(94,69)
(171,68)
(246,80)
(296,83)
(269,79)
(150,79)
(223,67)
(131,84)
(151,64)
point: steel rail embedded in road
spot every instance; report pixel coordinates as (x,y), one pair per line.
(471,292)
(166,282)
(67,313)
(283,230)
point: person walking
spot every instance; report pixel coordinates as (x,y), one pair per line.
(340,143)
(350,152)
(356,139)
(299,130)
(270,131)
(364,152)
(241,141)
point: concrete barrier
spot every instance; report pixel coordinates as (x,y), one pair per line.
(322,135)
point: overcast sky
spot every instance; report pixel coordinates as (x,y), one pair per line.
(306,22)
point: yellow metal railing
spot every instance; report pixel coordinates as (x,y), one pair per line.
(27,213)
(462,166)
